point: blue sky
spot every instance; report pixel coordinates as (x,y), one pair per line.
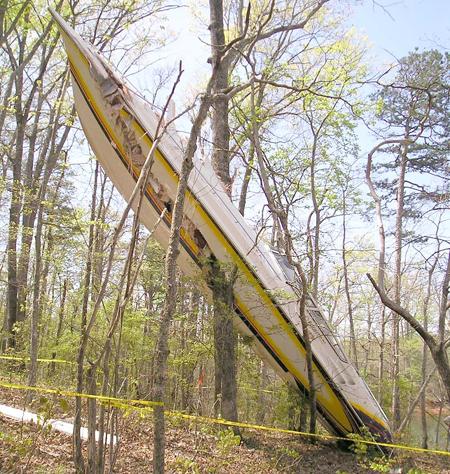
(404,25)
(393,28)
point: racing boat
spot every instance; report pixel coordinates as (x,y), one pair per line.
(120,127)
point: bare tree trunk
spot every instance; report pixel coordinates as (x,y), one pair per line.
(219,121)
(36,313)
(382,349)
(381,258)
(78,455)
(369,338)
(308,348)
(396,416)
(423,397)
(92,420)
(346,283)
(316,238)
(62,307)
(280,218)
(222,284)
(14,219)
(246,180)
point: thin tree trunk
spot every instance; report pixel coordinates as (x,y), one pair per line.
(280,218)
(246,181)
(396,416)
(78,455)
(346,283)
(423,398)
(62,307)
(92,420)
(35,317)
(382,349)
(316,239)
(418,399)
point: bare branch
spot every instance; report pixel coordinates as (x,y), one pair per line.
(405,314)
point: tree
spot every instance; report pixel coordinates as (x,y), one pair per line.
(413,110)
(219,279)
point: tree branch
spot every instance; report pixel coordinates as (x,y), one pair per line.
(405,314)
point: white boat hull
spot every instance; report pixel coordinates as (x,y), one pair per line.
(119,127)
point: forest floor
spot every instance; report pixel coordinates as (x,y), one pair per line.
(27,448)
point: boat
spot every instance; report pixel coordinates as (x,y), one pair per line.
(120,125)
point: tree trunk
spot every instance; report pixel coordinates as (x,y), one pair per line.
(246,180)
(314,279)
(62,307)
(219,121)
(78,455)
(224,335)
(423,397)
(382,350)
(221,284)
(36,313)
(396,416)
(346,284)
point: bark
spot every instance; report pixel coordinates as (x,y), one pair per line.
(222,284)
(219,120)
(382,242)
(246,181)
(36,313)
(32,177)
(15,205)
(92,421)
(378,210)
(62,307)
(382,349)
(308,348)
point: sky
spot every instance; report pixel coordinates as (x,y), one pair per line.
(403,25)
(392,27)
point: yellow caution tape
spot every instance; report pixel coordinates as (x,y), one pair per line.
(149,405)
(65,393)
(27,359)
(303,433)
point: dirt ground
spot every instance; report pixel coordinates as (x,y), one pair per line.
(193,448)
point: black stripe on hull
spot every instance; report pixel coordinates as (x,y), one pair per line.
(379,432)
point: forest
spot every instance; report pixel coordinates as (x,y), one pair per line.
(338,165)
